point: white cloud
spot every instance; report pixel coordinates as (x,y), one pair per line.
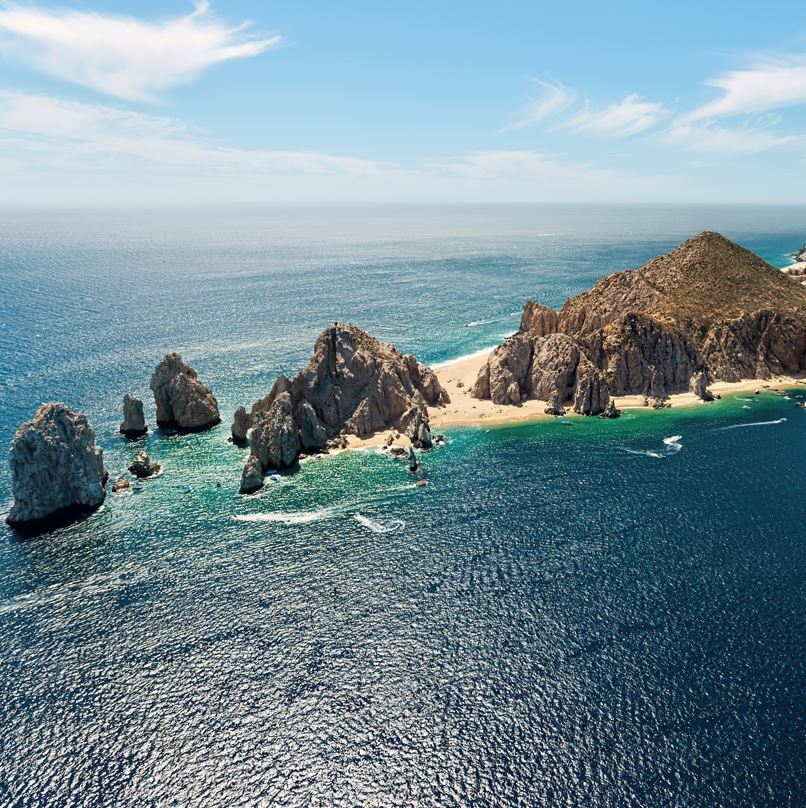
(38,123)
(707,136)
(629,116)
(624,118)
(123,56)
(553,99)
(769,86)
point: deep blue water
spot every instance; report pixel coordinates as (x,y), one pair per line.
(564,616)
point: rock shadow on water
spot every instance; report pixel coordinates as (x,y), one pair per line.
(54,522)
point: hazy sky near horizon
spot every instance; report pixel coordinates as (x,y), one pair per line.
(246,101)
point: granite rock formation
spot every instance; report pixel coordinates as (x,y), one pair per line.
(121,484)
(800,255)
(56,468)
(134,422)
(698,384)
(252,477)
(143,466)
(707,310)
(354,384)
(182,400)
(241,424)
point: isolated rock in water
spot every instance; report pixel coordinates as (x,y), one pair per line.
(241,424)
(182,399)
(354,384)
(121,484)
(708,306)
(143,467)
(134,422)
(55,466)
(275,441)
(699,386)
(611,410)
(800,255)
(591,395)
(252,476)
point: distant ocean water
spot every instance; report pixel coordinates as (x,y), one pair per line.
(589,615)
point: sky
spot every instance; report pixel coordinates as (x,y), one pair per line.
(302,101)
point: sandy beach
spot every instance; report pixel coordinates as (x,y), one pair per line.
(458,377)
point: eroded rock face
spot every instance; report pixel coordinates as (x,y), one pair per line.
(354,384)
(709,306)
(134,422)
(143,466)
(275,439)
(252,476)
(241,424)
(56,468)
(699,386)
(182,400)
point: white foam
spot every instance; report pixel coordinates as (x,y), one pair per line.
(672,444)
(289,518)
(378,527)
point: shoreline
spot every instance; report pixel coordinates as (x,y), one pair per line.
(457,376)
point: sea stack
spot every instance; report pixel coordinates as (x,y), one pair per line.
(182,400)
(56,468)
(707,310)
(252,477)
(354,384)
(134,422)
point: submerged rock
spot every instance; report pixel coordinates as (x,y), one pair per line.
(182,399)
(354,384)
(134,422)
(56,468)
(143,466)
(252,476)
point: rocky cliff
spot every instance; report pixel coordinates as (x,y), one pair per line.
(56,468)
(182,400)
(354,384)
(709,309)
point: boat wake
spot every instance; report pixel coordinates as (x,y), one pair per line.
(330,512)
(754,423)
(476,323)
(671,445)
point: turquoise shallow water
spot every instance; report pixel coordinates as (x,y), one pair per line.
(581,615)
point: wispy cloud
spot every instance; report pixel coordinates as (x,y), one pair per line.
(771,85)
(81,131)
(552,99)
(629,116)
(524,164)
(123,56)
(706,136)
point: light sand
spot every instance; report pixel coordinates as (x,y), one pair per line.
(459,376)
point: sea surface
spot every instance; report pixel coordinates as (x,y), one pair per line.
(601,614)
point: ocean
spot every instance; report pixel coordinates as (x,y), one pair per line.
(601,614)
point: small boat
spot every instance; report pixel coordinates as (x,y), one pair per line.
(422,482)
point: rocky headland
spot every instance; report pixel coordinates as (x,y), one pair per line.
(709,310)
(57,471)
(354,384)
(182,400)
